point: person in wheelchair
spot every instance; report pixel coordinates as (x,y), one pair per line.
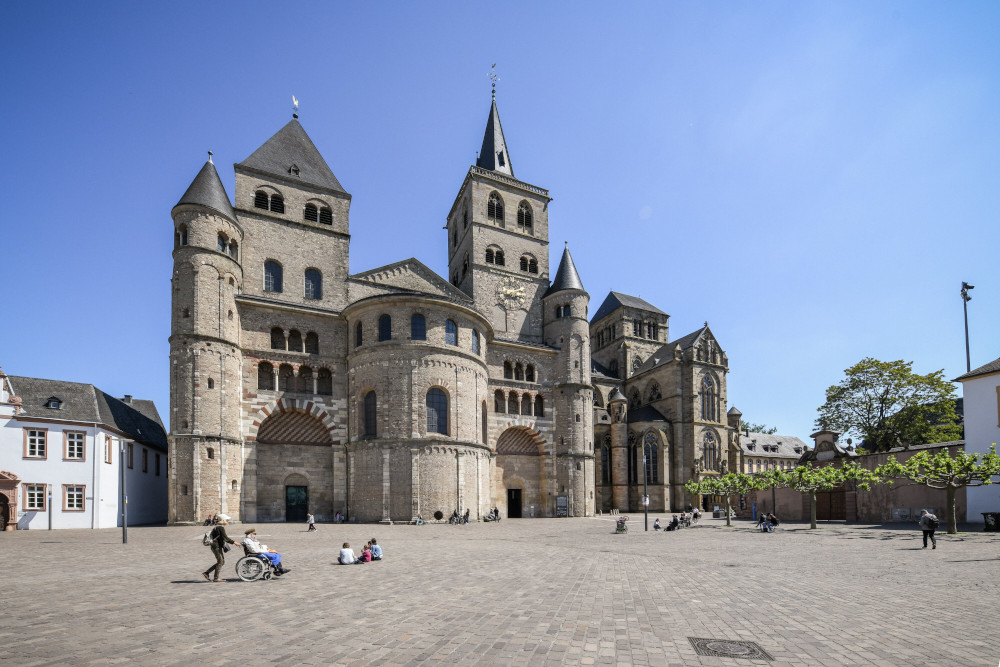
(253,547)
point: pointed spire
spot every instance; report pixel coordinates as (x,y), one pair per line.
(290,153)
(494,155)
(207,190)
(566,276)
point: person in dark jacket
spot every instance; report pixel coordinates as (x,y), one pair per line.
(219,541)
(928,523)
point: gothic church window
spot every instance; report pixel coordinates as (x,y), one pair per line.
(370,415)
(450,333)
(265,376)
(649,448)
(312,343)
(324,382)
(654,392)
(384,328)
(465,266)
(634,400)
(314,284)
(709,400)
(418,327)
(272,276)
(437,411)
(294,341)
(605,464)
(525,218)
(494,209)
(277,338)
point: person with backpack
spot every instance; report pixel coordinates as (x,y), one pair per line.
(219,542)
(929,523)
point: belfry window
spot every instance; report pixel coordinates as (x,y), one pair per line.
(325,216)
(499,258)
(314,284)
(494,209)
(277,204)
(311,213)
(525,218)
(272,276)
(489,256)
(260,200)
(437,411)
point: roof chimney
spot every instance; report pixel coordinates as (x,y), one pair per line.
(128,398)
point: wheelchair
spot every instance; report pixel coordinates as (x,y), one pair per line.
(621,526)
(253,567)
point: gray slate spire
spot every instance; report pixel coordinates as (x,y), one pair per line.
(291,154)
(494,155)
(207,190)
(566,276)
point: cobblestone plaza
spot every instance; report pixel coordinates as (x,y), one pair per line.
(536,591)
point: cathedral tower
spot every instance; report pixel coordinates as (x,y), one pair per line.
(498,237)
(566,328)
(205,357)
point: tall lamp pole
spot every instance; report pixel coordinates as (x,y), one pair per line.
(124,498)
(645,492)
(965,308)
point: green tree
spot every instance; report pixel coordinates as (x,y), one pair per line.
(944,471)
(728,485)
(807,479)
(888,404)
(757,428)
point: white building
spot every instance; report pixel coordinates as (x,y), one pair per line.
(981,391)
(61,451)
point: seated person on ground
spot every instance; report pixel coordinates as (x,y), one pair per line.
(673,523)
(252,546)
(656,525)
(346,556)
(366,555)
(376,550)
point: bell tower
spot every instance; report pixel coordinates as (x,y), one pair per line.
(498,240)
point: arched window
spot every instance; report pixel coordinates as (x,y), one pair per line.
(498,258)
(709,400)
(277,338)
(314,284)
(524,217)
(450,333)
(710,452)
(272,276)
(651,451)
(305,382)
(265,376)
(475,341)
(324,382)
(499,402)
(437,411)
(512,403)
(312,343)
(234,250)
(494,209)
(654,392)
(529,373)
(634,400)
(210,453)
(182,235)
(539,406)
(532,265)
(384,328)
(518,371)
(508,371)
(633,460)
(524,262)
(465,266)
(418,327)
(211,383)
(359,337)
(325,216)
(489,255)
(311,213)
(294,341)
(260,199)
(286,378)
(221,243)
(277,204)
(605,464)
(371,415)
(526,404)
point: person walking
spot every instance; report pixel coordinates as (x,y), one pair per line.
(928,523)
(311,520)
(220,542)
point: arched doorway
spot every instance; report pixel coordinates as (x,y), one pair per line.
(520,458)
(293,467)
(296,498)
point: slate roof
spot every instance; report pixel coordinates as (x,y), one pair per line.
(988,369)
(646,413)
(207,190)
(784,444)
(292,146)
(600,371)
(567,276)
(494,148)
(616,300)
(139,420)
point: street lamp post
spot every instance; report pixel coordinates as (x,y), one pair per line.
(645,492)
(965,309)
(48,491)
(124,495)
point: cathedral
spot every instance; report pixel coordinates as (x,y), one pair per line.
(395,393)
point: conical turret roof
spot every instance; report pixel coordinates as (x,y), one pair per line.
(566,276)
(207,190)
(494,155)
(291,154)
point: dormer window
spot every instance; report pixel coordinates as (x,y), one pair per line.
(53,403)
(294,170)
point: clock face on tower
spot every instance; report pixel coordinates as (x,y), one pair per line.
(510,294)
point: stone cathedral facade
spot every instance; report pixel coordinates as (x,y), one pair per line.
(297,386)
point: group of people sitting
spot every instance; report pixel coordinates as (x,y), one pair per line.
(767,522)
(685,520)
(372,551)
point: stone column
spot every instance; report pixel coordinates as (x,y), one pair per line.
(415,482)
(386,487)
(460,482)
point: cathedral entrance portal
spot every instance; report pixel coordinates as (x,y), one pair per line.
(513,503)
(296,503)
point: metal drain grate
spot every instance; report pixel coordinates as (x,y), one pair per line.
(729,648)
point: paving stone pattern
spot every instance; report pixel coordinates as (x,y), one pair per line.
(542,591)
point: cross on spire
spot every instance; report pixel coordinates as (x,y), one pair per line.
(494,78)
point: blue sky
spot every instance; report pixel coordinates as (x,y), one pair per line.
(814,179)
